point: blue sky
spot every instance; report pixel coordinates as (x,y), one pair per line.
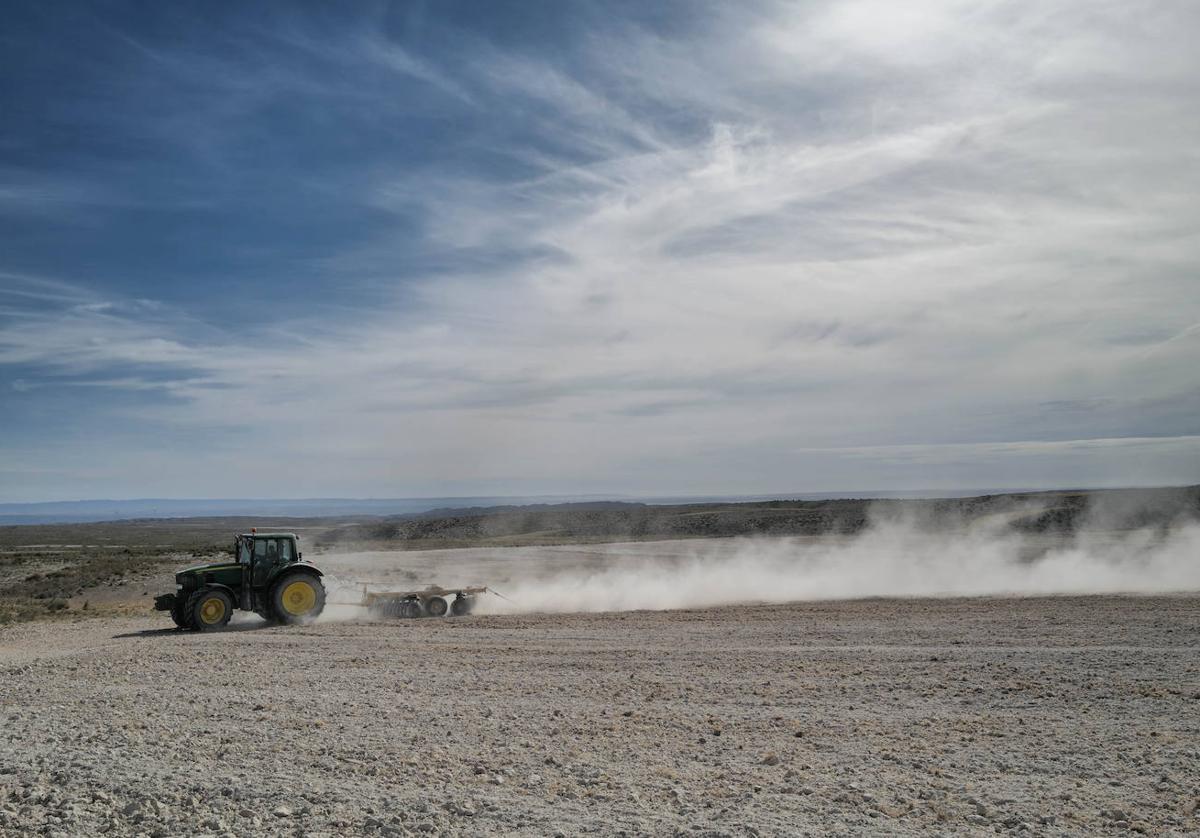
(516,248)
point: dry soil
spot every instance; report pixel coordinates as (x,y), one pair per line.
(1047,716)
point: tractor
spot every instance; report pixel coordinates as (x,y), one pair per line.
(267,576)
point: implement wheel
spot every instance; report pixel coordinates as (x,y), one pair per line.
(298,598)
(209,609)
(462,606)
(410,609)
(435,606)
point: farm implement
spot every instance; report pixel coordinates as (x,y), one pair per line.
(428,602)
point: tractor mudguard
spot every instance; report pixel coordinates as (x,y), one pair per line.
(220,587)
(294,567)
(164,603)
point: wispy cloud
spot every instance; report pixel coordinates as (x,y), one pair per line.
(789,247)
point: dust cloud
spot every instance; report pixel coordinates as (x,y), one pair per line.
(892,557)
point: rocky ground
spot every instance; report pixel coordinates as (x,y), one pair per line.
(1046,716)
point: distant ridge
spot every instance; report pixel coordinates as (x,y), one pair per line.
(87,511)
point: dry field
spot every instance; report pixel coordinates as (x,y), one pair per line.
(1044,716)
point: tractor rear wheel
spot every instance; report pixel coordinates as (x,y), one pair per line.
(435,606)
(298,598)
(209,609)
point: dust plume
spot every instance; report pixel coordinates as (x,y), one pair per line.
(895,555)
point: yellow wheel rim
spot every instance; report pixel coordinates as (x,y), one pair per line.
(299,598)
(212,610)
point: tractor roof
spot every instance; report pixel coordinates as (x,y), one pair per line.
(268,535)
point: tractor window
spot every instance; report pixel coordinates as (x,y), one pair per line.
(260,548)
(285,549)
(244,552)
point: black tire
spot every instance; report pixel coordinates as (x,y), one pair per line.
(410,609)
(297,598)
(462,606)
(179,613)
(209,609)
(435,606)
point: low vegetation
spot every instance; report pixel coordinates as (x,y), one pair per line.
(38,583)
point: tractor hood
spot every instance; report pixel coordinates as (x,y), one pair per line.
(190,574)
(196,568)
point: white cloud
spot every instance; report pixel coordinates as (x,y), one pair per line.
(926,228)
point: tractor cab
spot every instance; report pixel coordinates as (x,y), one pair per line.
(267,577)
(262,556)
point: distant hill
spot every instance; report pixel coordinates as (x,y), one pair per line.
(79,511)
(513,524)
(1059,513)
(83,511)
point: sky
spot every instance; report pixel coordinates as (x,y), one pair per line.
(462,248)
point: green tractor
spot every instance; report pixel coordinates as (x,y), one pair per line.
(267,577)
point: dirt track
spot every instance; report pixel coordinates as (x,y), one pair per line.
(1052,716)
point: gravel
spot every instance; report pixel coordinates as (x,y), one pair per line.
(1048,716)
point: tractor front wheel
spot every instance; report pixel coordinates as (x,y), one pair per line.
(209,609)
(179,613)
(298,598)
